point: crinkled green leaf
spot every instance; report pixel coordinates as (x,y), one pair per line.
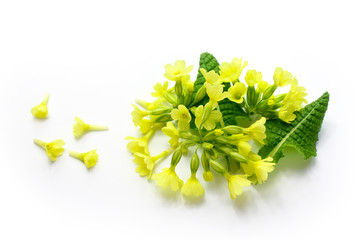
(302,133)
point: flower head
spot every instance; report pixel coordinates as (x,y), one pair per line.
(211,77)
(253,77)
(89,158)
(281,77)
(182,114)
(209,123)
(173,133)
(178,71)
(53,149)
(80,128)
(192,187)
(41,110)
(230,72)
(168,178)
(257,130)
(236,183)
(237,92)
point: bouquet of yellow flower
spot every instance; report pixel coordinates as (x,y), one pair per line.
(221,117)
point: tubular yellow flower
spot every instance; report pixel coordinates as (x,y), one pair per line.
(178,71)
(140,145)
(252,77)
(168,178)
(281,77)
(192,187)
(53,149)
(257,130)
(237,92)
(80,128)
(173,133)
(146,125)
(89,158)
(209,123)
(259,167)
(41,110)
(182,114)
(230,72)
(262,86)
(160,89)
(211,77)
(241,141)
(236,183)
(215,93)
(138,115)
(141,168)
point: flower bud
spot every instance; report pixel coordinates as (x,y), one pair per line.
(200,94)
(194,164)
(269,92)
(217,167)
(176,156)
(232,129)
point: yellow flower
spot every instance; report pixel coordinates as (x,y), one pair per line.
(168,178)
(236,183)
(230,72)
(259,167)
(173,133)
(140,145)
(237,92)
(241,141)
(146,125)
(281,77)
(262,86)
(178,71)
(257,130)
(211,77)
(41,110)
(182,114)
(208,176)
(138,115)
(89,158)
(209,123)
(252,77)
(160,90)
(215,93)
(80,128)
(192,187)
(53,149)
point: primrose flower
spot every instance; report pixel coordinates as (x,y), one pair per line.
(211,77)
(241,141)
(252,77)
(146,125)
(281,77)
(182,114)
(89,158)
(168,178)
(138,115)
(230,72)
(262,86)
(160,89)
(257,130)
(237,92)
(192,187)
(173,133)
(141,168)
(41,110)
(259,167)
(178,71)
(215,93)
(80,128)
(209,123)
(236,183)
(140,145)
(53,149)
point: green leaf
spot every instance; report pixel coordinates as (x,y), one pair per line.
(302,133)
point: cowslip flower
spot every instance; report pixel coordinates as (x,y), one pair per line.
(230,72)
(237,92)
(211,77)
(281,77)
(192,187)
(146,125)
(215,93)
(168,178)
(89,158)
(242,143)
(236,183)
(257,130)
(209,123)
(182,114)
(140,145)
(262,86)
(80,128)
(53,149)
(178,71)
(252,77)
(41,110)
(138,115)
(160,89)
(173,133)
(259,167)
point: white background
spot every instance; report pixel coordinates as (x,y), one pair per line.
(96,57)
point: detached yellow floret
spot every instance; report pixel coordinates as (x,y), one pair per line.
(230,72)
(89,158)
(257,130)
(168,178)
(178,71)
(80,128)
(182,114)
(41,110)
(53,149)
(236,183)
(193,187)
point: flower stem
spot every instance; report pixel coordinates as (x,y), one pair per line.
(75,154)
(98,128)
(40,143)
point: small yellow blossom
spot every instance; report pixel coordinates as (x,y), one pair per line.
(259,167)
(237,92)
(53,149)
(252,77)
(241,141)
(215,93)
(140,145)
(168,178)
(208,176)
(218,132)
(178,71)
(257,130)
(281,77)
(146,125)
(138,115)
(262,86)
(160,89)
(89,158)
(209,123)
(41,110)
(173,133)
(230,72)
(182,114)
(211,77)
(236,183)
(141,168)
(80,128)
(192,187)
